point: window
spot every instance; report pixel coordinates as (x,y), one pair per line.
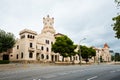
(22,55)
(30,45)
(17,56)
(42,48)
(47,57)
(23,36)
(30,55)
(42,56)
(47,49)
(17,46)
(28,36)
(33,37)
(47,41)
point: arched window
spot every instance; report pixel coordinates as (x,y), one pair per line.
(28,36)
(21,54)
(42,48)
(33,37)
(17,56)
(42,56)
(47,49)
(47,57)
(30,45)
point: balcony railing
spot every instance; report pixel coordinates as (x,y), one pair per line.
(31,49)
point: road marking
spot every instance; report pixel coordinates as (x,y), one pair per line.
(112,71)
(92,78)
(49,76)
(118,70)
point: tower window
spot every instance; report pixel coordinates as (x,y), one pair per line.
(31,45)
(47,41)
(28,36)
(42,48)
(17,46)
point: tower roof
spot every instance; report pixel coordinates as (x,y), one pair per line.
(106,45)
(28,31)
(48,25)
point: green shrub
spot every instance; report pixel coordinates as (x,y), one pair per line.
(4,61)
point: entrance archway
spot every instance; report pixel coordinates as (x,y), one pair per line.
(38,56)
(52,57)
(5,57)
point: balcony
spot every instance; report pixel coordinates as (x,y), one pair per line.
(38,50)
(31,49)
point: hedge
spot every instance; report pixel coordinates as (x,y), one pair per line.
(4,61)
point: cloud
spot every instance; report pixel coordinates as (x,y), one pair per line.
(76,18)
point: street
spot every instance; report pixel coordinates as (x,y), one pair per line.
(61,72)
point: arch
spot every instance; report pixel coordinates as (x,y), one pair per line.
(42,56)
(47,49)
(17,56)
(42,48)
(47,56)
(38,56)
(28,36)
(5,57)
(21,54)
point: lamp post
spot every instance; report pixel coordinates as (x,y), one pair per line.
(80,49)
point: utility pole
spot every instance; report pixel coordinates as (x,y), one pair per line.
(80,49)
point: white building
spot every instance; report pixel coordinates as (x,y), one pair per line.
(33,47)
(103,54)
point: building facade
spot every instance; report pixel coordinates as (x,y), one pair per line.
(103,54)
(33,47)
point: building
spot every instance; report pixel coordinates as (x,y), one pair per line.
(33,47)
(103,54)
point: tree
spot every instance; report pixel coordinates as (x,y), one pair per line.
(64,46)
(117,57)
(87,53)
(92,52)
(118,2)
(7,41)
(116,25)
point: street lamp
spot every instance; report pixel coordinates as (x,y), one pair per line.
(80,49)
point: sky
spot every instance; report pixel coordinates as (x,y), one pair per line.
(78,19)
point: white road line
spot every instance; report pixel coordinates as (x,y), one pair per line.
(49,76)
(118,70)
(92,78)
(112,71)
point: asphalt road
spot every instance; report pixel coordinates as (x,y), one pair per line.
(71,72)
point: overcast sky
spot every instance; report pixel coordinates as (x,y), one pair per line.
(78,19)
